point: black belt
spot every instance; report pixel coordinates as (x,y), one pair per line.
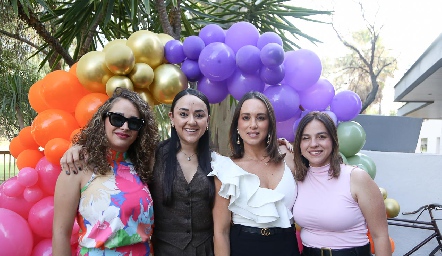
(263,231)
(354,251)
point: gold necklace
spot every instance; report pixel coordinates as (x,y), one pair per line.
(188,157)
(258,160)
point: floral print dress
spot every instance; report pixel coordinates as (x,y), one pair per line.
(115,213)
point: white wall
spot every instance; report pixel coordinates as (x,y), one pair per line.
(412,180)
(432,131)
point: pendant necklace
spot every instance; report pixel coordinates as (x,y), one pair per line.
(189,157)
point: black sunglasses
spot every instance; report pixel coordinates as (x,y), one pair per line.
(118,120)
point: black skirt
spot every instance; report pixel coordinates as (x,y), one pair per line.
(246,241)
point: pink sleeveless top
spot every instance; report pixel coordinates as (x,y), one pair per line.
(115,213)
(327,212)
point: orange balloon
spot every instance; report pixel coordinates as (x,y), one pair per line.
(29,158)
(73,69)
(87,106)
(55,149)
(392,244)
(73,134)
(35,97)
(15,147)
(26,138)
(52,123)
(370,239)
(62,90)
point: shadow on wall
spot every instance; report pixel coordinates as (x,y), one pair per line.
(390,133)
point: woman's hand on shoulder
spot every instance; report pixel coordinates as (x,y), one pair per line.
(72,160)
(286,143)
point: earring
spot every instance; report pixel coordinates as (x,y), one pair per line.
(207,128)
(237,140)
(268,139)
(172,125)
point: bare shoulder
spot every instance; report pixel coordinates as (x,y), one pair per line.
(359,176)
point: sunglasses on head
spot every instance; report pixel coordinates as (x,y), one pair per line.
(118,120)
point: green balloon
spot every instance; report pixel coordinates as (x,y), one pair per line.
(344,159)
(351,138)
(364,162)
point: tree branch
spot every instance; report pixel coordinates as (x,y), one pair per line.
(35,23)
(164,19)
(21,39)
(90,36)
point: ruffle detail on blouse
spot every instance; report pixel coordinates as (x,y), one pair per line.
(247,199)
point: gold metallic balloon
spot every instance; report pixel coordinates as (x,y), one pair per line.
(146,96)
(392,207)
(118,81)
(141,75)
(114,42)
(168,81)
(147,48)
(384,192)
(92,71)
(119,59)
(164,38)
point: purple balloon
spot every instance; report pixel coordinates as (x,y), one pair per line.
(284,129)
(215,91)
(272,76)
(192,47)
(285,101)
(240,84)
(305,112)
(248,59)
(303,69)
(241,34)
(191,69)
(272,55)
(173,51)
(212,33)
(318,96)
(295,125)
(217,61)
(267,38)
(346,105)
(332,116)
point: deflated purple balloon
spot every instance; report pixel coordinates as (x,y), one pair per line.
(215,91)
(267,38)
(192,47)
(248,59)
(284,129)
(318,96)
(240,84)
(173,52)
(272,76)
(285,101)
(191,69)
(241,34)
(212,33)
(346,105)
(272,55)
(302,69)
(217,61)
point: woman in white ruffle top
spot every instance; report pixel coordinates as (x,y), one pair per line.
(256,189)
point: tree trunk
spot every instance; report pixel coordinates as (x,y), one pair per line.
(19,116)
(220,121)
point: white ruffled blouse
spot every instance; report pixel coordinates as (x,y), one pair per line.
(250,204)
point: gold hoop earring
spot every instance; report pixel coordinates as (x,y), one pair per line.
(237,140)
(268,139)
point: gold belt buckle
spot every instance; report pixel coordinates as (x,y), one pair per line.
(326,249)
(265,231)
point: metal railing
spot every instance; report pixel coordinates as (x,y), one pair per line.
(7,166)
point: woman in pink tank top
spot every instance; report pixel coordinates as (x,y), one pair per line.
(336,203)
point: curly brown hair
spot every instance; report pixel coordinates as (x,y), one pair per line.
(95,144)
(301,163)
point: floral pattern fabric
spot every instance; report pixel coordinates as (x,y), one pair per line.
(115,213)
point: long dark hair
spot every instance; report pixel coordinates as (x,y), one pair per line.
(95,143)
(272,146)
(301,163)
(203,152)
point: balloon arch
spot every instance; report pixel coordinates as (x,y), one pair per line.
(156,66)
